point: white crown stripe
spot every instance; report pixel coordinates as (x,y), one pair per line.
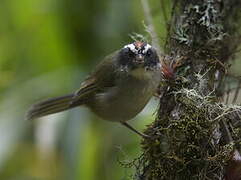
(147,46)
(132,47)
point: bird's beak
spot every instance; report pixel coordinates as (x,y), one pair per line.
(139,60)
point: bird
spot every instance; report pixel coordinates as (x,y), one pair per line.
(117,90)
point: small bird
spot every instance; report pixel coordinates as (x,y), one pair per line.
(117,90)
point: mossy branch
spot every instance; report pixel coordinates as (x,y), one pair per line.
(195,133)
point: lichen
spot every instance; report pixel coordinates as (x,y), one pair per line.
(186,144)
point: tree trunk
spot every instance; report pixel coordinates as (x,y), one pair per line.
(192,136)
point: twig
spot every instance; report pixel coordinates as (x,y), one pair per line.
(228,94)
(236,92)
(164,11)
(169,27)
(150,25)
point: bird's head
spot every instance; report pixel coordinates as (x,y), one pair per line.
(138,56)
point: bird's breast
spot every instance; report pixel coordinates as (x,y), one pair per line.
(123,101)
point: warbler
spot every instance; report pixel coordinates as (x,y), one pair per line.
(117,90)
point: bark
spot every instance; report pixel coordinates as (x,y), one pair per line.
(195,133)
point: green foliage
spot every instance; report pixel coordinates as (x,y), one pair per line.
(46,49)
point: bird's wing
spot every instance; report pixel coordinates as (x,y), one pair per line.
(87,87)
(103,77)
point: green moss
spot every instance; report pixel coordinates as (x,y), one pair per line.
(184,144)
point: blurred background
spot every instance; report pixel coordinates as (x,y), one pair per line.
(47,47)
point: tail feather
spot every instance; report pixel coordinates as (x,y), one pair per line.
(52,106)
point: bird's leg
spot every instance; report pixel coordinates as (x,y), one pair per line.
(134,130)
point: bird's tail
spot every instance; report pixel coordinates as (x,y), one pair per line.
(52,106)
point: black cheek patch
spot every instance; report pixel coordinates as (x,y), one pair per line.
(125,58)
(151,60)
